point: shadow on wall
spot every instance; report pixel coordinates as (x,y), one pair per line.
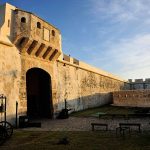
(81,103)
(11,118)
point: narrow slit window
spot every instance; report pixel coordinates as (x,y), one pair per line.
(8,23)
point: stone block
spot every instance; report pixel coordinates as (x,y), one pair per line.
(138,80)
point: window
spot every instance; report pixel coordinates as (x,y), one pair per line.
(8,23)
(53,33)
(39,25)
(23,20)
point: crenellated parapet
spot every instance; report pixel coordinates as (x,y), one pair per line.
(138,84)
(36,37)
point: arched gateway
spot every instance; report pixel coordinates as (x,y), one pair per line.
(39,94)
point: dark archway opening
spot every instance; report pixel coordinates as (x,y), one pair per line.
(39,94)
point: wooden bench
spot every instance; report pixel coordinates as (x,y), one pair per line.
(99,124)
(112,116)
(118,116)
(131,124)
(139,115)
(102,115)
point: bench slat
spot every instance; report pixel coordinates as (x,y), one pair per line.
(99,124)
(131,124)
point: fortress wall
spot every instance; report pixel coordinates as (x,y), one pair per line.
(83,86)
(10,62)
(132,98)
(10,70)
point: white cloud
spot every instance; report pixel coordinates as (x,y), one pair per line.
(127,40)
(132,56)
(121,10)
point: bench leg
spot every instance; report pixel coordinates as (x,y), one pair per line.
(106,128)
(139,129)
(92,127)
(118,130)
(122,131)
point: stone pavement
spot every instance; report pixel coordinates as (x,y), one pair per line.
(84,124)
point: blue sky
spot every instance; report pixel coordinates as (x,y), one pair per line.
(113,35)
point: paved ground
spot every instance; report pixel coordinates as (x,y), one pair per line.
(84,124)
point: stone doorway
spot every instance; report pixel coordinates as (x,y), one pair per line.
(39,94)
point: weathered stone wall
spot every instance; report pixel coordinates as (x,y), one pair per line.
(83,88)
(80,87)
(10,70)
(10,62)
(135,98)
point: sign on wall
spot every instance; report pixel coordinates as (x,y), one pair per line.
(46,35)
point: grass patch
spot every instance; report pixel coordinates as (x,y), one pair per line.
(25,140)
(105,109)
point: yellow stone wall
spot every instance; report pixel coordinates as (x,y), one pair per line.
(10,71)
(84,86)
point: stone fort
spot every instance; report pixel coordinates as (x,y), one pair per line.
(40,77)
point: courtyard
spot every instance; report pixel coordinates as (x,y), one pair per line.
(75,132)
(77,140)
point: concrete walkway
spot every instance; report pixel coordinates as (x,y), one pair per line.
(84,124)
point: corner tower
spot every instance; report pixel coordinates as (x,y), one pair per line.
(29,48)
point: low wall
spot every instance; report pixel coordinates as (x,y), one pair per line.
(133,98)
